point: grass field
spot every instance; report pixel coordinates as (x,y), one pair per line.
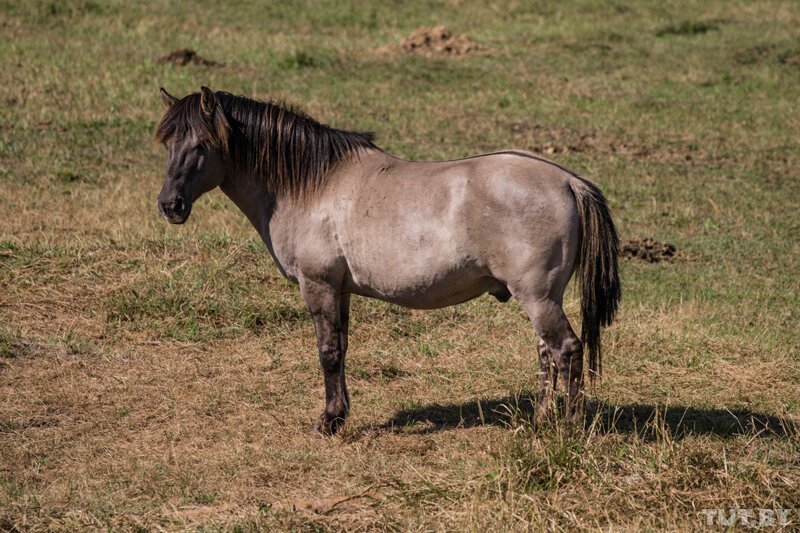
(154,376)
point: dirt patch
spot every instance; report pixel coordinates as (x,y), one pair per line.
(764,53)
(648,250)
(552,140)
(790,57)
(556,140)
(441,41)
(687,27)
(754,54)
(187,56)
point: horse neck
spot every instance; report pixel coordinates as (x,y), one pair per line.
(252,197)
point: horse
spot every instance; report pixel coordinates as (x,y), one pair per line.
(340,217)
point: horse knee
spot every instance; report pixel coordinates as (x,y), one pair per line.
(545,357)
(574,347)
(542,347)
(330,358)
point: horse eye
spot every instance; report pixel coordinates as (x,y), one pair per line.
(200,148)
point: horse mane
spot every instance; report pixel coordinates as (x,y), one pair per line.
(273,140)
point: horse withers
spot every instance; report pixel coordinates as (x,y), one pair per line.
(340,216)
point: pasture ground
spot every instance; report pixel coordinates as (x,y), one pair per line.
(154,376)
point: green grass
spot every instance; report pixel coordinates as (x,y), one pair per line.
(158,376)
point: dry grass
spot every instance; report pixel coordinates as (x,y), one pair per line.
(154,377)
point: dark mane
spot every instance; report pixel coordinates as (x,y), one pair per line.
(291,150)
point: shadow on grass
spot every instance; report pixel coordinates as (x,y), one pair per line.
(647,421)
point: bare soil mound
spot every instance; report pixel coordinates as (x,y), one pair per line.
(187,56)
(440,40)
(647,250)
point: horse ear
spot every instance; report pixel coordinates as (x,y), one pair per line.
(208,102)
(212,110)
(167,98)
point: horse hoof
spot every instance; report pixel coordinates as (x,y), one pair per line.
(327,427)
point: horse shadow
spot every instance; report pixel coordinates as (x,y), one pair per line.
(649,422)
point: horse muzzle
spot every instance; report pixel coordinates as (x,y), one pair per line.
(176,210)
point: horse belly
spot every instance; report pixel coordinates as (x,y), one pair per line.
(422,268)
(423,292)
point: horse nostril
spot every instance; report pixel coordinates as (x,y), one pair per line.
(177,205)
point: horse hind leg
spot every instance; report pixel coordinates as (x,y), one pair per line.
(559,347)
(547,383)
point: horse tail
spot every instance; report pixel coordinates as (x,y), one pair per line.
(597,266)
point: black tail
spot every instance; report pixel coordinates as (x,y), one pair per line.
(597,265)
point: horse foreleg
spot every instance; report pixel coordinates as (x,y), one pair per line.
(344,319)
(325,304)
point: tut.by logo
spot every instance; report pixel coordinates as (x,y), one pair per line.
(747,517)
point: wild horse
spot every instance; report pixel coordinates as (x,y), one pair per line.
(340,216)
